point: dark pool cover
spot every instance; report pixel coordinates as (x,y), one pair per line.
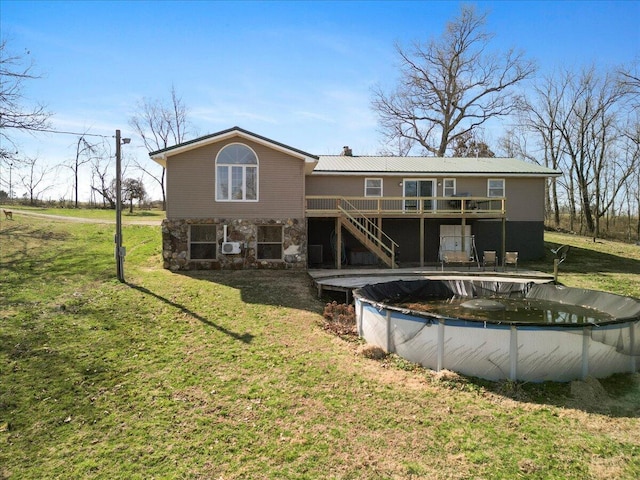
(412,290)
(621,309)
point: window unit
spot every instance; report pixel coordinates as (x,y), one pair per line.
(203,243)
(270,239)
(372,187)
(236,174)
(495,187)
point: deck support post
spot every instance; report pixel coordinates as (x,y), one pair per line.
(422,241)
(464,236)
(504,239)
(338,242)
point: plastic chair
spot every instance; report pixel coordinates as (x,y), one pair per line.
(511,258)
(489,258)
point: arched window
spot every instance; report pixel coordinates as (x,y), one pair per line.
(236,174)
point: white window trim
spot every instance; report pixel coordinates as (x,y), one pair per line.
(434,190)
(381,186)
(489,187)
(244,176)
(455,187)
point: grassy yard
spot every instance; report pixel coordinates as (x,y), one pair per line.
(228,375)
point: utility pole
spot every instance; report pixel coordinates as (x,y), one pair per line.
(119,250)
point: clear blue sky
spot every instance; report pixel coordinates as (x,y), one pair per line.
(298,72)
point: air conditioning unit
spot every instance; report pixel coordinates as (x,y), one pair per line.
(230,248)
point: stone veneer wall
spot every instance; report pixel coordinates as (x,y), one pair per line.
(175,244)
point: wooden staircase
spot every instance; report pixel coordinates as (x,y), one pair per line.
(368,233)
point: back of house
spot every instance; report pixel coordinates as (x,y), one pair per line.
(238,200)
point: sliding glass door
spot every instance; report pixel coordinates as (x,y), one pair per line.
(416,189)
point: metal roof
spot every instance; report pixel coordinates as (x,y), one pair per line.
(346,165)
(378,165)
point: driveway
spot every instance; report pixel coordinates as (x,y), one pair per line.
(154,222)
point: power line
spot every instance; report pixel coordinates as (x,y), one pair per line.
(76,133)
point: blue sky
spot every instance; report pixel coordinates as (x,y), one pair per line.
(300,73)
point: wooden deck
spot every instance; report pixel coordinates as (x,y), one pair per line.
(347,280)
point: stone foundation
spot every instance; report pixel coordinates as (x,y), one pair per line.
(176,253)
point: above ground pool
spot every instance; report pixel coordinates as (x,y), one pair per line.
(502,330)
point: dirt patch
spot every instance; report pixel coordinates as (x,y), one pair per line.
(591,395)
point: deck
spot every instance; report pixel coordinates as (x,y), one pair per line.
(347,280)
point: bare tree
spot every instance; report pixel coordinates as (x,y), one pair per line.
(102,180)
(160,125)
(85,152)
(450,85)
(589,120)
(34,179)
(631,79)
(14,114)
(539,119)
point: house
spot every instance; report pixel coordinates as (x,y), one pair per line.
(236,200)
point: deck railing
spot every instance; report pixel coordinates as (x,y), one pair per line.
(327,205)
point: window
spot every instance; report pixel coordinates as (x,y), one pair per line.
(448,187)
(202,242)
(372,187)
(269,242)
(495,187)
(236,174)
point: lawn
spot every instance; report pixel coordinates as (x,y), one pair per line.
(228,375)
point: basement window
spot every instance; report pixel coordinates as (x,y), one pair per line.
(269,242)
(202,242)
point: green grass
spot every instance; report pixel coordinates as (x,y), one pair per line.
(230,375)
(602,265)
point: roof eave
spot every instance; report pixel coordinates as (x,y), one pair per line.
(160,156)
(438,174)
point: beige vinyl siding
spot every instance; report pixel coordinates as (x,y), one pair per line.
(525,196)
(525,199)
(191,185)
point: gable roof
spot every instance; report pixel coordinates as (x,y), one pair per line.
(373,165)
(160,156)
(378,165)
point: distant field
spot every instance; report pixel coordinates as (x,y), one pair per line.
(231,375)
(92,213)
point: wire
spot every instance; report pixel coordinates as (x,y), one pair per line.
(76,133)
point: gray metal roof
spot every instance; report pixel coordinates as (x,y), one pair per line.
(346,165)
